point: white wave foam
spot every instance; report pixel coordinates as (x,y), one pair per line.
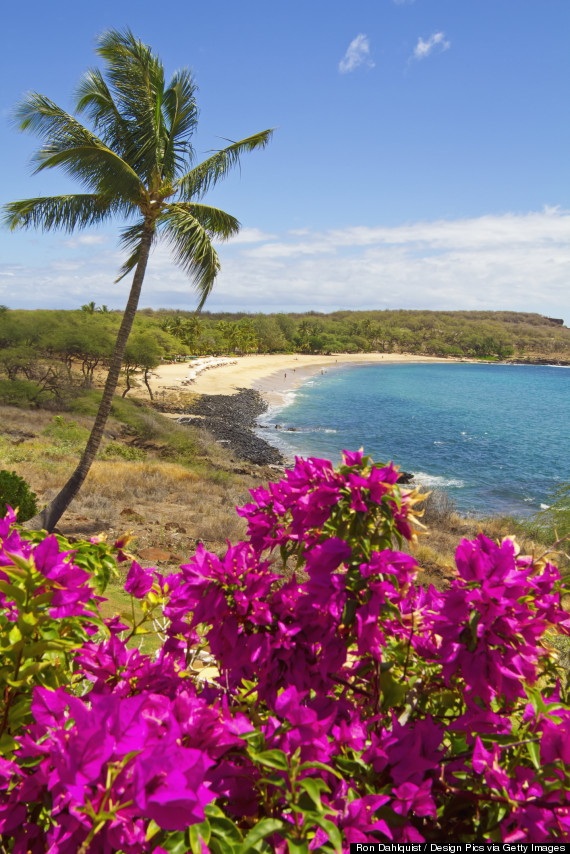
(437,480)
(284,399)
(307,430)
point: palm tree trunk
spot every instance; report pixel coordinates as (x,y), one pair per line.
(52,513)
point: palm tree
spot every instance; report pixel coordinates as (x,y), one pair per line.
(137,163)
(192,332)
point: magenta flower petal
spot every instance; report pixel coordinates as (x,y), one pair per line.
(139,581)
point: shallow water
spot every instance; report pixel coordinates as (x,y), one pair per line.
(496,437)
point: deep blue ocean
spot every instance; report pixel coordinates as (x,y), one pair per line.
(495,437)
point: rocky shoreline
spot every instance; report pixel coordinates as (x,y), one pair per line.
(231,420)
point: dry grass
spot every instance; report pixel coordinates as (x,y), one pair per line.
(165,504)
(141,480)
(161,494)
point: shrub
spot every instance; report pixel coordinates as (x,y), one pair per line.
(439,509)
(15,492)
(124,452)
(351,706)
(67,435)
(553,522)
(22,393)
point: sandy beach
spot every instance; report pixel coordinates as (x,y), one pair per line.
(272,375)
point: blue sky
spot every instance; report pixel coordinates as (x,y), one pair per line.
(420,158)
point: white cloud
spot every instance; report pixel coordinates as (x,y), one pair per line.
(85,240)
(424,48)
(510,261)
(357,53)
(251,235)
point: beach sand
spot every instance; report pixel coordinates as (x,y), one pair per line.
(272,375)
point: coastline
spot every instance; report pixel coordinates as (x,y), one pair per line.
(232,395)
(237,417)
(271,375)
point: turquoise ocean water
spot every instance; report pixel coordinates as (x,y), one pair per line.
(496,437)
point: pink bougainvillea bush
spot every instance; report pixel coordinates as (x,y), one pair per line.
(342,702)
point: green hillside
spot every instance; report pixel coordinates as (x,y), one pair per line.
(46,356)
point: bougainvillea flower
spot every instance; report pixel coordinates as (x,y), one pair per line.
(410,797)
(139,581)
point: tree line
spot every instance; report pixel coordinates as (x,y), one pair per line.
(476,334)
(46,356)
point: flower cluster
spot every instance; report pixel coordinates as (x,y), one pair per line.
(344,702)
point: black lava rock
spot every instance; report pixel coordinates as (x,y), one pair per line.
(231,419)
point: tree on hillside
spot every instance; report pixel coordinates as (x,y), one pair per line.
(188,330)
(137,163)
(142,353)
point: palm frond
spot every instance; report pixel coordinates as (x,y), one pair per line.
(217,223)
(78,151)
(94,98)
(192,248)
(63,212)
(137,78)
(100,169)
(181,113)
(131,241)
(203,177)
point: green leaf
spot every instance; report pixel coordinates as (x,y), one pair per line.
(221,846)
(332,832)
(42,599)
(175,843)
(13,592)
(225,831)
(25,566)
(7,744)
(298,846)
(14,635)
(536,699)
(314,788)
(274,780)
(534,753)
(393,693)
(152,829)
(198,833)
(15,572)
(271,759)
(322,766)
(264,828)
(55,645)
(27,621)
(33,669)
